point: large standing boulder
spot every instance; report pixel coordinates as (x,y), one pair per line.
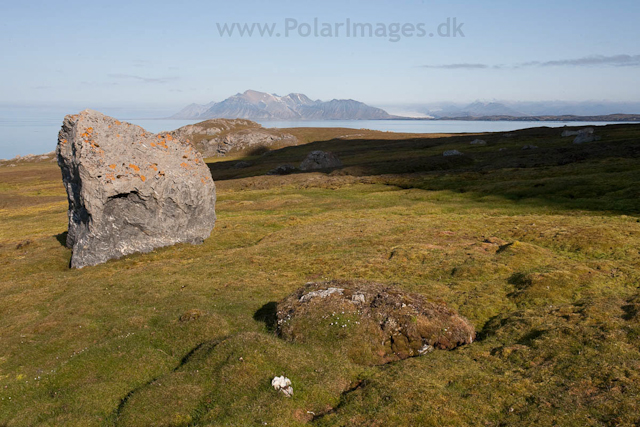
(130,190)
(320,160)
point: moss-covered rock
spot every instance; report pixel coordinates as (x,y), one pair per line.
(372,322)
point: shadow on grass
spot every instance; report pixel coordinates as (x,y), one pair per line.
(62,238)
(631,311)
(203,349)
(595,176)
(267,314)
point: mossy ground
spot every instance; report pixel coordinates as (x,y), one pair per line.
(537,248)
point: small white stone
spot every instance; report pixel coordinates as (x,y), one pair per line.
(358,298)
(283,385)
(425,349)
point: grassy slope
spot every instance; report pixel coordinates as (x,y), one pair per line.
(557,308)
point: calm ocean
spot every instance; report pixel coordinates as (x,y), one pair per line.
(37,132)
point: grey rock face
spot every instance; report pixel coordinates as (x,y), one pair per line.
(585,131)
(478,142)
(585,137)
(32,158)
(246,140)
(452,153)
(219,137)
(129,190)
(320,160)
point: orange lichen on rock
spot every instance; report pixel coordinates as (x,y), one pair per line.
(134,167)
(97,148)
(143,178)
(110,177)
(154,166)
(89,130)
(169,138)
(112,166)
(184,165)
(118,122)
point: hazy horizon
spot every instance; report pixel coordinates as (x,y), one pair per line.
(159,111)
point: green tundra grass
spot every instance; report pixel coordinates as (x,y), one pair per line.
(539,249)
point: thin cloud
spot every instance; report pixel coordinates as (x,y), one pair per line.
(591,61)
(462,66)
(143,79)
(587,61)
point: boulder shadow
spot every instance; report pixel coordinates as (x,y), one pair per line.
(268,314)
(62,238)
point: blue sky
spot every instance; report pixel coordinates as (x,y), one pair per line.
(165,54)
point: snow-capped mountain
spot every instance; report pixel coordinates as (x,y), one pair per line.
(254,105)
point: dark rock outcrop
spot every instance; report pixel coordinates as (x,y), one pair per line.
(582,135)
(450,153)
(129,190)
(372,322)
(585,138)
(242,165)
(320,160)
(282,170)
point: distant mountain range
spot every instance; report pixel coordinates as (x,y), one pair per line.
(479,109)
(563,118)
(254,105)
